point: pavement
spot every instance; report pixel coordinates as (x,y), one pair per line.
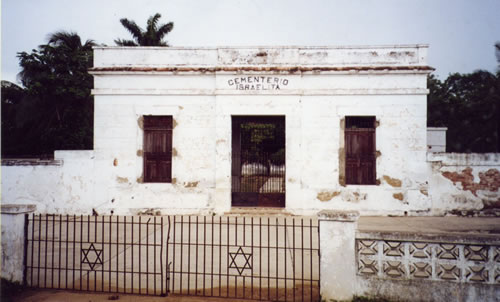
(436,225)
(460,229)
(486,228)
(41,295)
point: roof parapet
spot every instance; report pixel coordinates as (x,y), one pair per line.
(285,58)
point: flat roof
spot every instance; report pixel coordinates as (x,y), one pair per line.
(262,58)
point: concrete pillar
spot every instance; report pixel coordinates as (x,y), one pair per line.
(13,240)
(338,257)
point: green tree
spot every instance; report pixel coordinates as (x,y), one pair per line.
(152,36)
(12,96)
(497,53)
(468,105)
(55,111)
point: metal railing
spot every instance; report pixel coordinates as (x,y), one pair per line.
(115,254)
(259,258)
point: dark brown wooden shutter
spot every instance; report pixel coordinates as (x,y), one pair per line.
(157,148)
(360,150)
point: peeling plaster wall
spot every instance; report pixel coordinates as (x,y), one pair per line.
(464,182)
(119,154)
(400,142)
(65,186)
(193,85)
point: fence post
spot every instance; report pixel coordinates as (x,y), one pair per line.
(338,257)
(13,240)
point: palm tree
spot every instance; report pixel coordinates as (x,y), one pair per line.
(152,36)
(62,48)
(57,110)
(69,40)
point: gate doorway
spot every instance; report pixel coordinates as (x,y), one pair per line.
(258,161)
(251,257)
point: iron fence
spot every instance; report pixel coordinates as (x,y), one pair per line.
(260,258)
(115,254)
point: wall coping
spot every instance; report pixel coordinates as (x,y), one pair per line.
(464,159)
(31,162)
(332,215)
(473,238)
(419,45)
(17,208)
(389,56)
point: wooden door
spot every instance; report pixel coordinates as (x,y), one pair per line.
(157,149)
(360,151)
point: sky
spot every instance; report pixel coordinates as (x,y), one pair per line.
(461,33)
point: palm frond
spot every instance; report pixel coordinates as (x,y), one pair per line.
(497,54)
(133,28)
(89,44)
(121,42)
(66,39)
(164,29)
(152,21)
(152,36)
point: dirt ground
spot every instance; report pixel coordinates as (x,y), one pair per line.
(31,295)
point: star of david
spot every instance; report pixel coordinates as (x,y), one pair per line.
(240,254)
(92,256)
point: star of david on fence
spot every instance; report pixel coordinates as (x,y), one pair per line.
(240,254)
(92,256)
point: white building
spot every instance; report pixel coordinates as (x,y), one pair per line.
(200,130)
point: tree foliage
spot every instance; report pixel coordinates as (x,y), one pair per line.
(55,109)
(152,36)
(497,53)
(469,105)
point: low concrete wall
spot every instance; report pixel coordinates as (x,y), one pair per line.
(337,254)
(76,182)
(64,185)
(424,267)
(436,139)
(13,240)
(464,182)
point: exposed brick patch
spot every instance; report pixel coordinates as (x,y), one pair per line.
(424,191)
(327,196)
(121,179)
(392,181)
(193,184)
(398,196)
(488,181)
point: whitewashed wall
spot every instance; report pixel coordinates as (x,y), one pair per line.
(194,85)
(460,183)
(118,147)
(63,185)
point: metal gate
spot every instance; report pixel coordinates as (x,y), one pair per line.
(115,254)
(258,161)
(260,258)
